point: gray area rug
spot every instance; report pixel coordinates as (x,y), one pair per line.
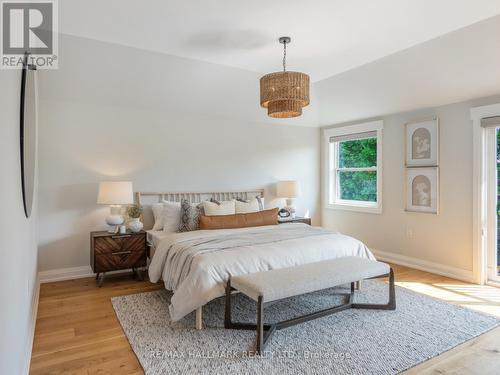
(349,342)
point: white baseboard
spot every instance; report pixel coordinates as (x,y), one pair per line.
(424,265)
(31,328)
(61,274)
(71,273)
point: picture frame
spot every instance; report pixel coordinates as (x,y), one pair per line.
(422,143)
(422,190)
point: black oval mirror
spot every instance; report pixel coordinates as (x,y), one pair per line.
(28,134)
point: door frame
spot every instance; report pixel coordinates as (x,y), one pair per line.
(491,201)
(481,230)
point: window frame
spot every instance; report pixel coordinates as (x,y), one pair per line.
(332,200)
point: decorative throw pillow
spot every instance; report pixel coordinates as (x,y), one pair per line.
(189,216)
(261,202)
(171,216)
(246,206)
(220,208)
(253,219)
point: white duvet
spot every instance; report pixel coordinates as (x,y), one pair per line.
(196,265)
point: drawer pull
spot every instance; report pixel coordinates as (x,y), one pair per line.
(120,252)
(121,236)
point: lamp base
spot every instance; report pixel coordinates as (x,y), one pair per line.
(114,221)
(290,207)
(114,229)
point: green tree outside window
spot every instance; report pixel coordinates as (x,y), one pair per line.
(357,185)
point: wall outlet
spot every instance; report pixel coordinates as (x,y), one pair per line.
(409,233)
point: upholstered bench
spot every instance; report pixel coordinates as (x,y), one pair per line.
(269,286)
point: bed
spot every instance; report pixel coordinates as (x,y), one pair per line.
(195,265)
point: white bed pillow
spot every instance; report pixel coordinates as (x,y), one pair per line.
(157,209)
(159,216)
(219,208)
(171,216)
(247,207)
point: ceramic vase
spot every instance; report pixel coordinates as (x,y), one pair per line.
(135,225)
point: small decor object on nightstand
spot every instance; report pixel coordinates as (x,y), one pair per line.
(134,212)
(284,213)
(115,193)
(289,190)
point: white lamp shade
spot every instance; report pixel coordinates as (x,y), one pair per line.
(288,189)
(115,192)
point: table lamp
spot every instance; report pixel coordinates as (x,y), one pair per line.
(115,193)
(289,190)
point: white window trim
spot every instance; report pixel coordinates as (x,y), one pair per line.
(330,180)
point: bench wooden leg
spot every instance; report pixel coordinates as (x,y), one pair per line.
(260,326)
(227,312)
(391,305)
(263,331)
(358,285)
(199,318)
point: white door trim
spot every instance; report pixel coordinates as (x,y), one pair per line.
(491,201)
(479,191)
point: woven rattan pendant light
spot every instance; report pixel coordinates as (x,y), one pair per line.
(284,93)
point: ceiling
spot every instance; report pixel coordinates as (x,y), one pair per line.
(328,36)
(454,68)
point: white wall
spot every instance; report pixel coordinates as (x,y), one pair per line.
(167,124)
(444,239)
(18,248)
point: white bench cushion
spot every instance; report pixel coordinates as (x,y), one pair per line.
(288,282)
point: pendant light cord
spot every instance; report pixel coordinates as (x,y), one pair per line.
(284,57)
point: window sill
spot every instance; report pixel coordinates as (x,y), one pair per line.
(355,207)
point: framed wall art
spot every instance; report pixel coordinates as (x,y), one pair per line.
(422,143)
(422,189)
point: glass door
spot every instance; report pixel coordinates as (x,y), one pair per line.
(493,209)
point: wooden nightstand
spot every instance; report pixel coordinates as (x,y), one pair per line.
(305,220)
(113,252)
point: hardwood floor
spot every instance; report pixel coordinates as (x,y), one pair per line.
(77,331)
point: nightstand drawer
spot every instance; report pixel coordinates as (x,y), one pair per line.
(119,243)
(120,259)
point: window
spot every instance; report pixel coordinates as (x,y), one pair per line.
(354,175)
